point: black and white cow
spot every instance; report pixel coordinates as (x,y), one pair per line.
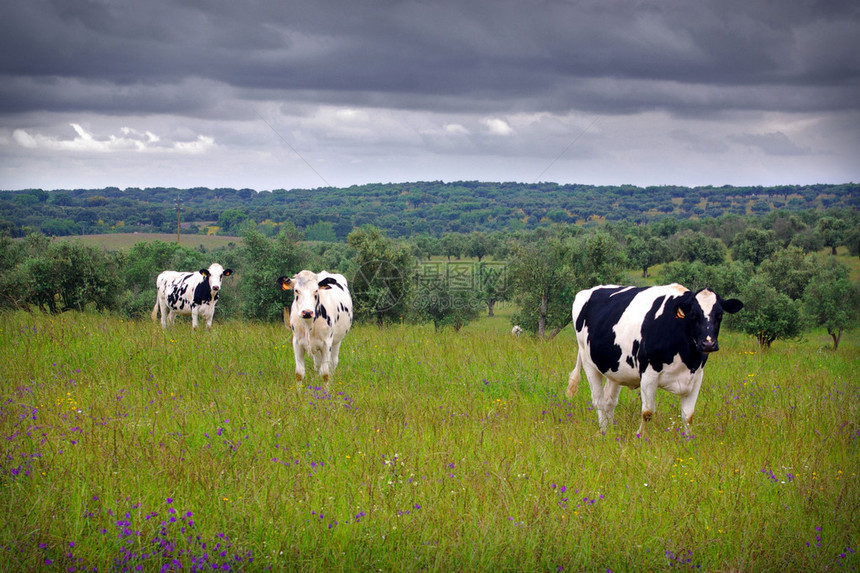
(189,293)
(648,338)
(320,317)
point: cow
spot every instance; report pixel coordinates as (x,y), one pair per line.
(647,338)
(186,294)
(517,330)
(320,317)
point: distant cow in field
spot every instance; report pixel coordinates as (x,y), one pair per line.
(656,337)
(320,317)
(517,330)
(186,294)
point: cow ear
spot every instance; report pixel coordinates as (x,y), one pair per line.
(685,304)
(285,282)
(228,272)
(204,272)
(732,305)
(326,283)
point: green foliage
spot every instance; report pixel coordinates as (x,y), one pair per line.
(381,285)
(321,231)
(453,245)
(727,280)
(644,252)
(405,209)
(832,232)
(479,245)
(446,304)
(832,300)
(548,269)
(755,245)
(544,282)
(693,246)
(598,259)
(789,271)
(266,261)
(60,276)
(852,241)
(231,220)
(768,315)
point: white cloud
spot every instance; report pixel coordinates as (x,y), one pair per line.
(128,140)
(456,129)
(497,126)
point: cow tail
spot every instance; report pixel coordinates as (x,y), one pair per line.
(573,379)
(155,310)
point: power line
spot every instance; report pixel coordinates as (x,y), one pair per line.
(569,145)
(294,149)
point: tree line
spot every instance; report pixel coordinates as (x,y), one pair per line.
(782,265)
(401,210)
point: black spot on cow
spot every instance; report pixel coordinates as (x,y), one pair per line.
(603,311)
(321,312)
(664,339)
(202,294)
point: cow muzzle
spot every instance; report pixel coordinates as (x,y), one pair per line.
(307,314)
(709,345)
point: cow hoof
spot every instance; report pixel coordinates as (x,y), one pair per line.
(299,377)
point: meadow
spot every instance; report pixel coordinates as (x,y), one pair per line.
(125,241)
(126,448)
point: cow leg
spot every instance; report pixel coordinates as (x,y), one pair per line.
(165,313)
(595,381)
(688,401)
(610,398)
(194,319)
(299,353)
(648,391)
(325,363)
(335,351)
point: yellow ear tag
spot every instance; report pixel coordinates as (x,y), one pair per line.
(679,313)
(285,286)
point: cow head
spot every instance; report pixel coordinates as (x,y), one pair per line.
(702,314)
(306,287)
(215,273)
(209,287)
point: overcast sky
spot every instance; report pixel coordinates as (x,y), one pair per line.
(274,94)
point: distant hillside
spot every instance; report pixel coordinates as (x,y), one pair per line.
(401,209)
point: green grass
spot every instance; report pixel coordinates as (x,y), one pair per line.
(430,451)
(122,241)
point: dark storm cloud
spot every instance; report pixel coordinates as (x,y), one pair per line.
(608,56)
(249,94)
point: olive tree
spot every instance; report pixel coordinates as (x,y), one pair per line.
(768,315)
(832,301)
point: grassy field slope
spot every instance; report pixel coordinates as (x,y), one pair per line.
(125,446)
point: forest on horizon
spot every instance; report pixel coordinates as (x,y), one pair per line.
(400,209)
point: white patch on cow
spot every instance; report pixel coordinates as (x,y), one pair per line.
(707,300)
(676,377)
(625,289)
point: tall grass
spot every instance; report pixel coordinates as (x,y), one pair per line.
(128,448)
